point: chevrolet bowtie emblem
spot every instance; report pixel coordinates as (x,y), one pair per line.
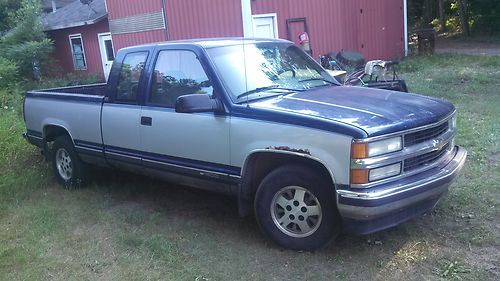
(437,144)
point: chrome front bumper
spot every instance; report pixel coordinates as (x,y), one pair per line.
(389,204)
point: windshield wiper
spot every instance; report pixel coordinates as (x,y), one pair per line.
(267,88)
(318,79)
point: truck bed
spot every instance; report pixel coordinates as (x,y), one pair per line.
(76,108)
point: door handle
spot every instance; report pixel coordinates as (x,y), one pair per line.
(146,121)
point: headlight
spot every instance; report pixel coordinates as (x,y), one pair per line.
(385,172)
(361,150)
(370,149)
(363,176)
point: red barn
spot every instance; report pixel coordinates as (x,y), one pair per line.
(86,35)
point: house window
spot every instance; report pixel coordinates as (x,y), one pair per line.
(78,52)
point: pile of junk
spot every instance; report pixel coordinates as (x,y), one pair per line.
(351,69)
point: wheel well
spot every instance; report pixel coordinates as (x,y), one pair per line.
(51,132)
(260,164)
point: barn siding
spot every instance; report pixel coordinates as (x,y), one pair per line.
(374,28)
(185,19)
(62,49)
(203,19)
(119,10)
(137,38)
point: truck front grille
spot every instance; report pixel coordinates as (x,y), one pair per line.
(425,135)
(424,159)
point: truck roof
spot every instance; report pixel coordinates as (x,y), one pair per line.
(207,43)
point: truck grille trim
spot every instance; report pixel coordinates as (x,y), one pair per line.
(423,148)
(424,159)
(425,135)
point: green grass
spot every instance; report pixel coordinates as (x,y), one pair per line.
(125,227)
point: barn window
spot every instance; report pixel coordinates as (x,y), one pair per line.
(78,52)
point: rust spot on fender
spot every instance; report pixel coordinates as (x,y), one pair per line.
(287,148)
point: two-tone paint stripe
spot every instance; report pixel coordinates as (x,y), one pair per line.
(34,137)
(34,134)
(159,161)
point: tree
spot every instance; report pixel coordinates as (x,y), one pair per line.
(7,8)
(463,13)
(466,16)
(26,43)
(486,16)
(442,18)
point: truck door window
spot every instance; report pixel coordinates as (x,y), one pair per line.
(130,75)
(177,73)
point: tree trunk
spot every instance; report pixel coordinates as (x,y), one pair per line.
(442,19)
(464,16)
(427,12)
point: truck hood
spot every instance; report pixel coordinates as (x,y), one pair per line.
(377,112)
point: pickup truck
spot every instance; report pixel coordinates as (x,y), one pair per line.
(261,120)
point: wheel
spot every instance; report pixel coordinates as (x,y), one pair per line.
(295,207)
(69,170)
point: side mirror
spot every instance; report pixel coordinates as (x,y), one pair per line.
(197,103)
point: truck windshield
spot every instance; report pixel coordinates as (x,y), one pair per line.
(258,70)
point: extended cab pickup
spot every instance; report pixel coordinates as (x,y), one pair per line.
(261,120)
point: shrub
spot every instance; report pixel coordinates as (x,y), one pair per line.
(8,73)
(453,24)
(26,43)
(71,79)
(31,54)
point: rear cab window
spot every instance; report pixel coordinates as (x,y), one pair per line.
(130,76)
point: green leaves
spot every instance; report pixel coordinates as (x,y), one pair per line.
(26,44)
(8,72)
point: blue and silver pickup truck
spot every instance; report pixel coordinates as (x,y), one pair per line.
(260,120)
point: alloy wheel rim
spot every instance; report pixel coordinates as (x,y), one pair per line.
(296,211)
(64,164)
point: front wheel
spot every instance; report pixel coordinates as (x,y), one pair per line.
(295,207)
(69,170)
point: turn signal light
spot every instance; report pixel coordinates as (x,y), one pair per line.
(359,150)
(359,176)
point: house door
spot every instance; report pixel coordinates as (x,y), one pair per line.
(265,26)
(107,53)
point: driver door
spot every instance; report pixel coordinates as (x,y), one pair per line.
(192,144)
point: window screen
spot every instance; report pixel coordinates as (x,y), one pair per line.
(78,52)
(130,74)
(178,73)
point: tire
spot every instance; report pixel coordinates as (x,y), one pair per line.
(69,170)
(295,207)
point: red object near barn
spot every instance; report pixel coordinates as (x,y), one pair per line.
(88,32)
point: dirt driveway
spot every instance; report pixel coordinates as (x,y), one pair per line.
(447,45)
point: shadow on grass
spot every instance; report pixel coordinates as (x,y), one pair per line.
(206,227)
(204,209)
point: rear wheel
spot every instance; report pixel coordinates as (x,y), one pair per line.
(295,207)
(69,170)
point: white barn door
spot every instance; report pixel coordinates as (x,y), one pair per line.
(265,26)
